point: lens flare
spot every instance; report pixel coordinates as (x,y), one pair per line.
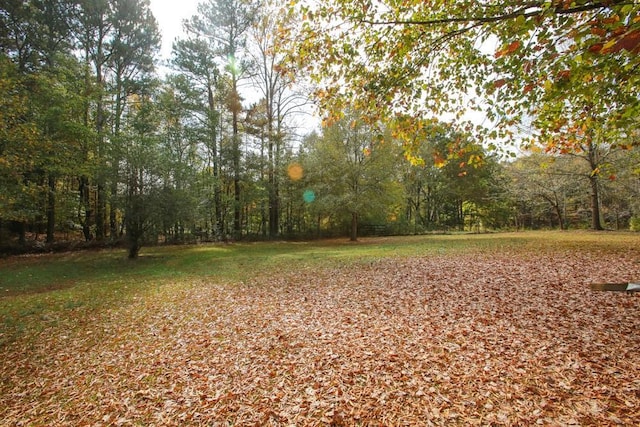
(295,172)
(309,196)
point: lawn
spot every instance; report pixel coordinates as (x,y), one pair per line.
(493,329)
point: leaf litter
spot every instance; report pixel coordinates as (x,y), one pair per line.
(481,339)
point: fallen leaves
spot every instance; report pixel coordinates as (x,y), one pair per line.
(479,339)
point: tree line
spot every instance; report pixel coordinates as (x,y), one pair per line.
(97,145)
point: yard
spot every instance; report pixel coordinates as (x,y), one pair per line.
(495,329)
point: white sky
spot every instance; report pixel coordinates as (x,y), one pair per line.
(170,14)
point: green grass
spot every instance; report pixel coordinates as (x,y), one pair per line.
(36,290)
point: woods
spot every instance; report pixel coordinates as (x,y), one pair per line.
(102,142)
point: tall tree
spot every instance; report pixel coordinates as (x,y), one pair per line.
(94,32)
(19,138)
(37,36)
(195,59)
(279,100)
(351,170)
(182,158)
(134,44)
(119,40)
(224,23)
(143,171)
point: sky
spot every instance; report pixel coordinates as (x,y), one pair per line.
(170,14)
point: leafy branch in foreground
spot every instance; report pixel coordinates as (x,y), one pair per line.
(430,58)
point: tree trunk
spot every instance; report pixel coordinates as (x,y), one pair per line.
(22,233)
(560,216)
(237,209)
(101,208)
(218,221)
(134,215)
(593,157)
(101,202)
(595,203)
(273,199)
(134,247)
(354,227)
(51,210)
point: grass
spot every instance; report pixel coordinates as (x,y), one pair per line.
(458,329)
(36,289)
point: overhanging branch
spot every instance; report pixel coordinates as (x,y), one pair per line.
(527,11)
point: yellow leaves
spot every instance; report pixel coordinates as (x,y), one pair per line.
(608,46)
(332,118)
(475,160)
(413,159)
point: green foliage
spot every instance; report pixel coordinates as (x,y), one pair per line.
(559,60)
(351,170)
(455,180)
(90,139)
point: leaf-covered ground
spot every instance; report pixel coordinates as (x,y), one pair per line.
(474,339)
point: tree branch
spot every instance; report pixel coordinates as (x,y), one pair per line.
(522,11)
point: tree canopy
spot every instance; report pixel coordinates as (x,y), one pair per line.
(508,59)
(96,144)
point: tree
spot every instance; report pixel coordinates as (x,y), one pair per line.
(547,185)
(37,37)
(279,102)
(118,40)
(224,24)
(198,86)
(181,160)
(421,56)
(134,43)
(18,142)
(94,31)
(555,61)
(142,176)
(455,180)
(351,170)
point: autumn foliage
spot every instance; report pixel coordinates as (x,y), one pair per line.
(479,337)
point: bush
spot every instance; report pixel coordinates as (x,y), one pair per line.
(634,223)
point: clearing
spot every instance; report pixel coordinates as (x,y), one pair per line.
(434,330)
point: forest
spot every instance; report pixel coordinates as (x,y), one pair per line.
(102,142)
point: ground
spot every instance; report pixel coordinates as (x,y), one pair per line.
(487,336)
